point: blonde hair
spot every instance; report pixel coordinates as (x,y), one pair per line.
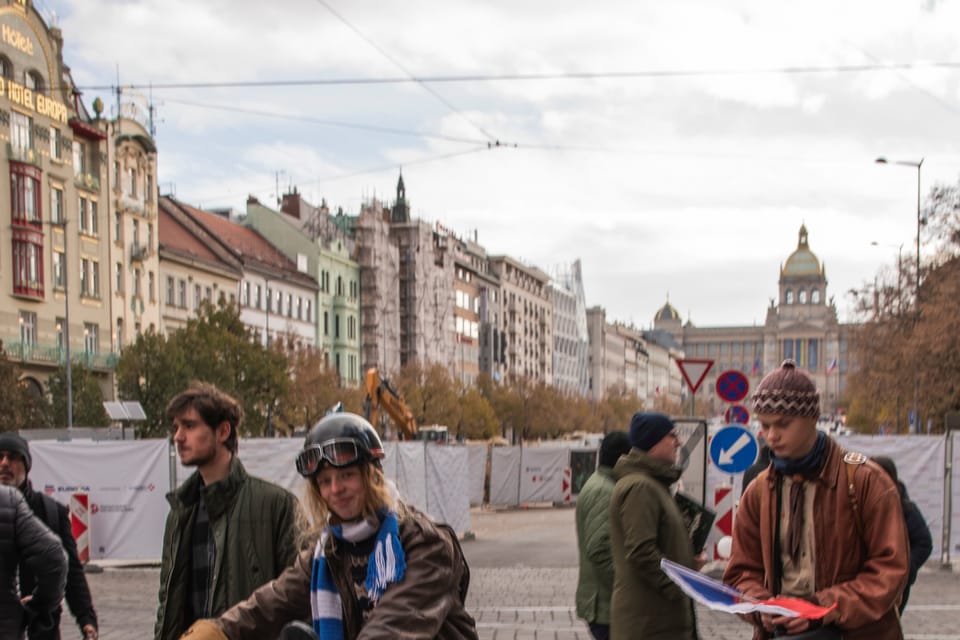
(378,496)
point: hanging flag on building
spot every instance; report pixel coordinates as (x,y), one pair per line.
(831,366)
(756,366)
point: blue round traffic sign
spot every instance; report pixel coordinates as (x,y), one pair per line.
(732,386)
(736,414)
(733,449)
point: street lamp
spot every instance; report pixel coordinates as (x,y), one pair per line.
(916,312)
(65,273)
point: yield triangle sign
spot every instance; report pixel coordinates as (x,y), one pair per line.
(694,371)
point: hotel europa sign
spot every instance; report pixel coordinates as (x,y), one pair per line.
(21,46)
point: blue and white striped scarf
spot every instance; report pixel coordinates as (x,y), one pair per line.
(386,564)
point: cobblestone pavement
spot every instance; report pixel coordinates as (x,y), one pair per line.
(522,592)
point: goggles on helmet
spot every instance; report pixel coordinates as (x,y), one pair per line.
(339,452)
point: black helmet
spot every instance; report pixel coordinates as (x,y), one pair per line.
(341,440)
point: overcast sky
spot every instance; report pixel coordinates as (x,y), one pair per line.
(684,167)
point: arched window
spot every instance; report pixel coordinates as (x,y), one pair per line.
(34,81)
(815,296)
(789,296)
(802,296)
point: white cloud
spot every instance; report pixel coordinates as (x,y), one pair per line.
(694,185)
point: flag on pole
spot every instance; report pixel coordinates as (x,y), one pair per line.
(756,366)
(720,597)
(831,366)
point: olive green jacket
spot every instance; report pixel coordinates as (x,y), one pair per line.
(254,527)
(595,579)
(645,526)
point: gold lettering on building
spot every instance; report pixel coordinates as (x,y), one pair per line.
(15,39)
(19,94)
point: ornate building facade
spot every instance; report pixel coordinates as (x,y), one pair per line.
(802,325)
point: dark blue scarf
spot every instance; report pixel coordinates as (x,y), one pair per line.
(809,465)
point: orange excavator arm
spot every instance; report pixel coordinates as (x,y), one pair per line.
(380,396)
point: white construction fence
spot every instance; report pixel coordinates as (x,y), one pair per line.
(127,481)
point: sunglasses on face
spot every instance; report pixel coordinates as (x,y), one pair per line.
(337,453)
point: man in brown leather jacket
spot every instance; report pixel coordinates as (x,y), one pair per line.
(802,530)
(374,568)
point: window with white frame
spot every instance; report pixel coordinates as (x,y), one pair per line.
(56,205)
(94,218)
(150,287)
(171,291)
(21,131)
(182,293)
(84,277)
(28,327)
(79,157)
(118,277)
(82,215)
(197,297)
(55,143)
(137,291)
(91,337)
(58,270)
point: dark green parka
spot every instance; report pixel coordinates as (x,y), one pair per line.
(645,526)
(254,528)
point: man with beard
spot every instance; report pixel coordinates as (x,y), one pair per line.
(227,532)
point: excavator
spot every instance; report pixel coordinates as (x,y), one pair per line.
(380,396)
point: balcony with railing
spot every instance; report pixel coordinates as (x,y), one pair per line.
(139,252)
(54,355)
(25,155)
(87,181)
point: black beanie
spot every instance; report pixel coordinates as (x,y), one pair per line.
(647,429)
(613,445)
(9,441)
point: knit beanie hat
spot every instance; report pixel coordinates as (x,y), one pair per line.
(647,429)
(10,441)
(613,445)
(787,391)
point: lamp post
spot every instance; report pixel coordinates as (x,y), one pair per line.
(65,274)
(916,311)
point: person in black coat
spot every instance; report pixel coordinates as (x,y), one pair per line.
(26,542)
(14,470)
(921,542)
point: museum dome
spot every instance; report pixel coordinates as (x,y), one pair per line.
(802,262)
(667,312)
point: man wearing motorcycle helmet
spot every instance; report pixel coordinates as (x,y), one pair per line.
(375,567)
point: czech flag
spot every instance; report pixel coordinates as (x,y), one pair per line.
(831,366)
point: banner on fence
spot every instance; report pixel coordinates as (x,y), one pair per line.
(127,503)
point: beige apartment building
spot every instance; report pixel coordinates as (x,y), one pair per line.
(526,319)
(194,265)
(54,235)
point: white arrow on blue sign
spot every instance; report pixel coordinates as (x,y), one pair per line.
(733,449)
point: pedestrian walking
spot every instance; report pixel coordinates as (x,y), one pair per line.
(646,525)
(25,541)
(595,577)
(820,524)
(227,532)
(15,463)
(918,533)
(376,568)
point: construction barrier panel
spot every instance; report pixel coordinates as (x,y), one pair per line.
(80,524)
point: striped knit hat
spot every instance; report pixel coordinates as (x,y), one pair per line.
(787,391)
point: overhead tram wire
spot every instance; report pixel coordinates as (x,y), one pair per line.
(490,137)
(378,169)
(329,123)
(513,77)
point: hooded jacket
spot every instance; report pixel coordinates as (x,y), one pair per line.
(645,526)
(861,561)
(253,523)
(27,542)
(427,603)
